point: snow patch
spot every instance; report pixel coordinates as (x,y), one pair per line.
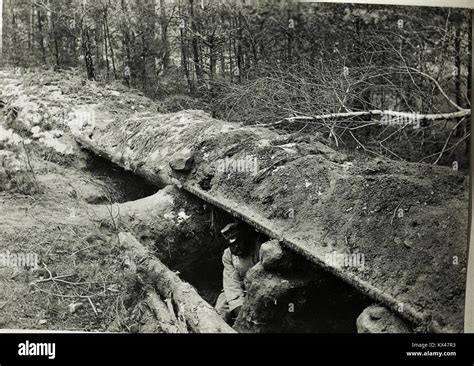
(179,218)
(182,216)
(50,139)
(9,137)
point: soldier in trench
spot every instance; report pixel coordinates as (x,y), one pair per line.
(241,255)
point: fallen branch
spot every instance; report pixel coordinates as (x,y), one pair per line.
(57,278)
(29,162)
(447,141)
(80,250)
(65,296)
(373,113)
(168,321)
(438,86)
(92,305)
(466,136)
(362,146)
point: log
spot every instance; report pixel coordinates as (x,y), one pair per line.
(199,315)
(157,316)
(165,316)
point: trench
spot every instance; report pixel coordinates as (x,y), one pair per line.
(317,303)
(120,185)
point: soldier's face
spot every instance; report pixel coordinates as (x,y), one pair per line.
(234,246)
(238,246)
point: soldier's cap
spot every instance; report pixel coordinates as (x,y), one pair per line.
(230,231)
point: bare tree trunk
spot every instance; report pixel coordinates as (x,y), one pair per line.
(30,23)
(56,44)
(457,76)
(164,36)
(40,35)
(184,60)
(86,49)
(239,46)
(106,47)
(469,89)
(231,61)
(126,35)
(144,61)
(222,60)
(290,39)
(109,40)
(1,33)
(195,45)
(212,57)
(99,45)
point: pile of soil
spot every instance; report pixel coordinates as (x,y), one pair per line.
(408,220)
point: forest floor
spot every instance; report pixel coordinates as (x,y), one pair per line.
(50,188)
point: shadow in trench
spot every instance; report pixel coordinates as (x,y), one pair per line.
(303,300)
(119,185)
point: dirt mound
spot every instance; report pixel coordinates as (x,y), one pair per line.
(408,221)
